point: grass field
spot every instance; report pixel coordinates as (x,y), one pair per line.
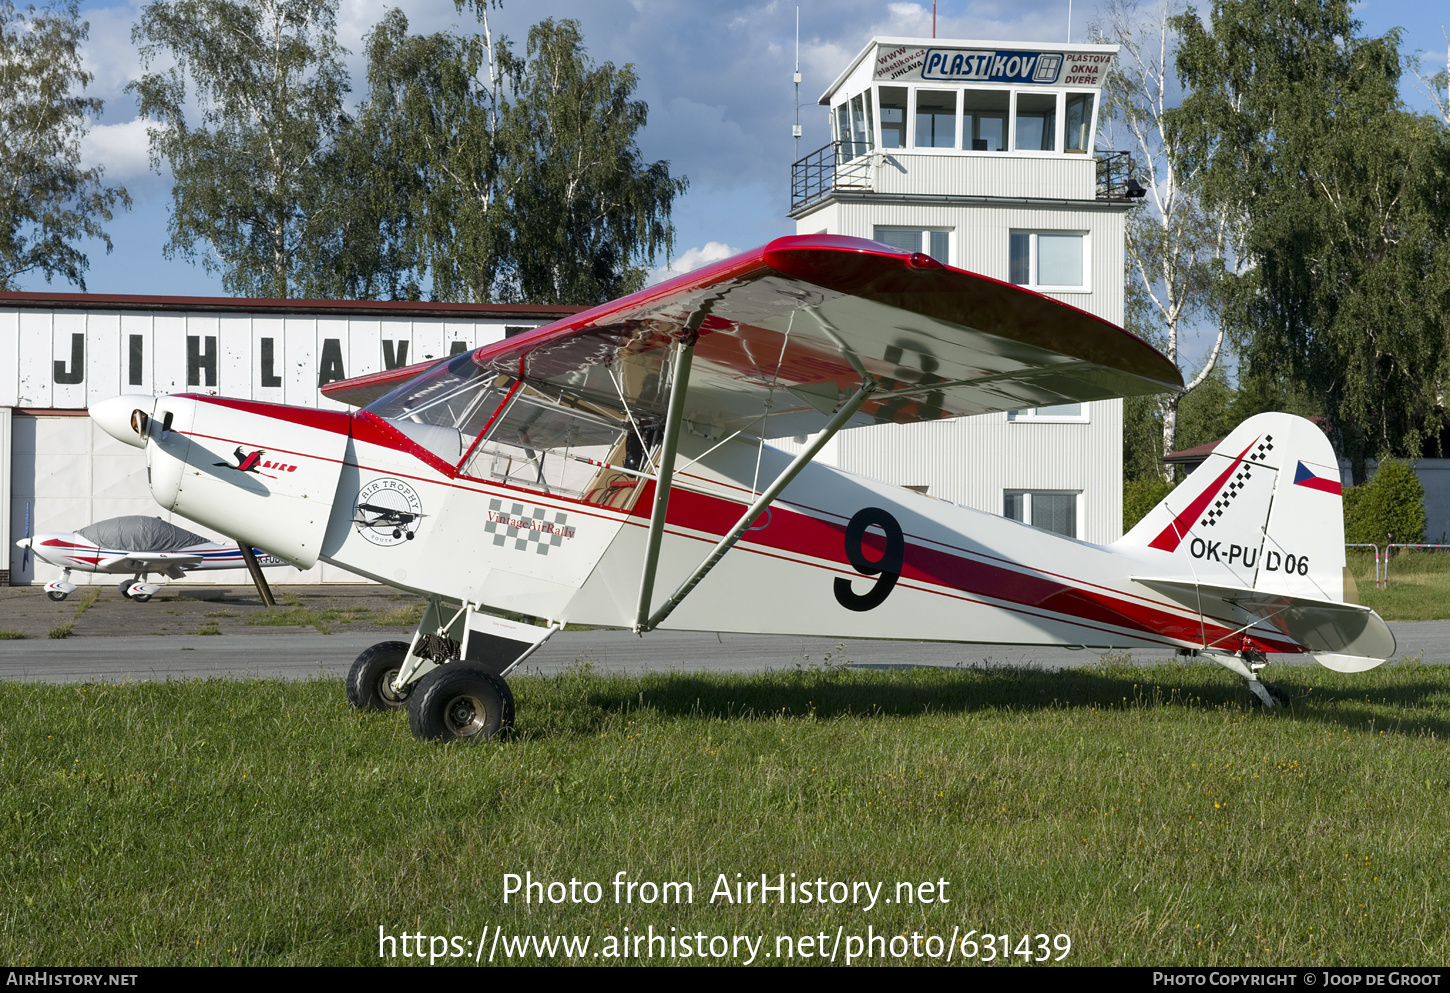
(1419,585)
(1149,814)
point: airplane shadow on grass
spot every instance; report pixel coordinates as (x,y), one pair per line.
(1418,707)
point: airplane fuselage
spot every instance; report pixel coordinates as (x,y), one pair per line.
(837,555)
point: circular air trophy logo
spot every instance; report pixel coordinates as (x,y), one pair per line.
(388,511)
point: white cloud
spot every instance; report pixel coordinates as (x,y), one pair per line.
(121,150)
(691,260)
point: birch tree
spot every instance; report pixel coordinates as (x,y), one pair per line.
(48,200)
(1175,248)
(246,116)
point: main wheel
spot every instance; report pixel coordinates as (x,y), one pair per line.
(140,597)
(461,700)
(125,588)
(57,595)
(370,680)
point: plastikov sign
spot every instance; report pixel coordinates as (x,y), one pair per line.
(914,64)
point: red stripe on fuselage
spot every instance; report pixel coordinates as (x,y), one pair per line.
(802,534)
(335,421)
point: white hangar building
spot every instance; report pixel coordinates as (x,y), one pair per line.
(980,154)
(977,153)
(60,351)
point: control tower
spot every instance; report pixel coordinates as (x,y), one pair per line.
(980,154)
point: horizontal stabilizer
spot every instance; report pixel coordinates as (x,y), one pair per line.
(1345,663)
(1346,637)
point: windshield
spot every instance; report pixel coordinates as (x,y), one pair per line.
(444,409)
(565,444)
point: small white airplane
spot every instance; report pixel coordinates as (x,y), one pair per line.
(135,546)
(574,472)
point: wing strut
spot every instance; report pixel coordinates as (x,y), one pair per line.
(837,421)
(684,352)
(255,568)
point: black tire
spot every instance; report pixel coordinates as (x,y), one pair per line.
(372,672)
(461,700)
(125,588)
(57,595)
(140,597)
(1280,697)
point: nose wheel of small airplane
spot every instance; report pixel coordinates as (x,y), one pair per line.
(460,700)
(370,680)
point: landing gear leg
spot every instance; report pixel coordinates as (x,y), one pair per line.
(451,675)
(1249,664)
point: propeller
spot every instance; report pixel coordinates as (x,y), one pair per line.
(25,559)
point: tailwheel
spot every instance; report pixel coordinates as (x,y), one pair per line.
(370,680)
(461,700)
(1267,696)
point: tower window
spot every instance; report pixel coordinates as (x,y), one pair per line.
(984,120)
(1055,512)
(936,119)
(1036,122)
(893,117)
(1078,122)
(936,243)
(1050,260)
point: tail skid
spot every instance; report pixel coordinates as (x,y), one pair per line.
(1257,533)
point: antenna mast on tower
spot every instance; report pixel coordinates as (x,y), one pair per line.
(796,130)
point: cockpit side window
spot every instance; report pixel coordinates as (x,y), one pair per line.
(543,445)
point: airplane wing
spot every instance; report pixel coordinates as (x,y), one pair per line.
(785,334)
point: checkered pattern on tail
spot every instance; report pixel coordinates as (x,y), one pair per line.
(540,537)
(1237,484)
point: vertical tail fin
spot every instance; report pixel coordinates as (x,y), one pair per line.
(1263,512)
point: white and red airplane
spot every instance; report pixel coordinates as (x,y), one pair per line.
(613,469)
(134,546)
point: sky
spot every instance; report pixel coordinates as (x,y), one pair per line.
(716,76)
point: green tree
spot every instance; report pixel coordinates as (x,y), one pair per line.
(250,193)
(481,176)
(48,202)
(587,214)
(1176,247)
(1392,503)
(424,157)
(1296,123)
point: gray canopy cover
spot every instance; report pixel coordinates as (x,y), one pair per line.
(140,534)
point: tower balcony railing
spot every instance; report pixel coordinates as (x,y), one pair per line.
(1115,177)
(850,166)
(841,165)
